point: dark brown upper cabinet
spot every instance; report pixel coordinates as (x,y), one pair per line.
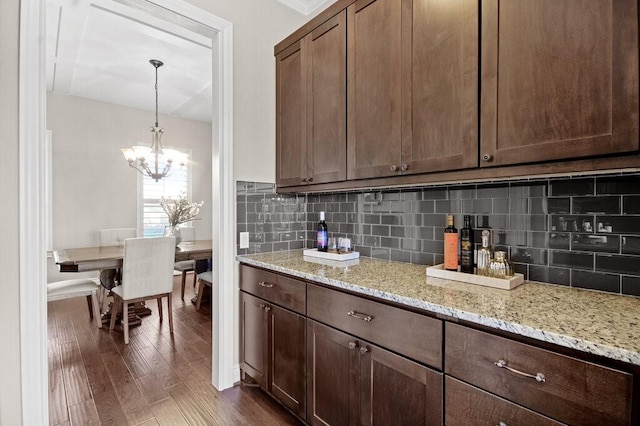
(412,86)
(559,79)
(311,107)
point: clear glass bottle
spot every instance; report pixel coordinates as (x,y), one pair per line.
(484,254)
(500,266)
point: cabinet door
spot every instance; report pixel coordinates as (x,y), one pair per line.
(287,358)
(291,151)
(396,390)
(253,320)
(327,100)
(439,85)
(332,375)
(373,88)
(559,79)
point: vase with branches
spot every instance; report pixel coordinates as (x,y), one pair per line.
(179,211)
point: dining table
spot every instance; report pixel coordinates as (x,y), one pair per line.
(83,259)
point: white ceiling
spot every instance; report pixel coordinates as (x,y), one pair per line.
(100,49)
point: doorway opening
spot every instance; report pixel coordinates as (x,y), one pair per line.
(33,330)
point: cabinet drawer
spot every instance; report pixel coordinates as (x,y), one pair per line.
(466,405)
(416,336)
(573,391)
(278,289)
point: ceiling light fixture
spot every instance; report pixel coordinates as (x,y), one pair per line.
(162,158)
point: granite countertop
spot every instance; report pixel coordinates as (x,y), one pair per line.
(589,321)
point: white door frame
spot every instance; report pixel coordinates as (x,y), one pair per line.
(32,268)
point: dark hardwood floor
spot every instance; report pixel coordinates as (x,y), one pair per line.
(94,378)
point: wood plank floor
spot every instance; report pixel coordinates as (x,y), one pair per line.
(95,379)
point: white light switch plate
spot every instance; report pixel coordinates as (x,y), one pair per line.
(244,240)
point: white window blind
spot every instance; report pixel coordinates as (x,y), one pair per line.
(154,218)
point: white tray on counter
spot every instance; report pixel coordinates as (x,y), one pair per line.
(332,263)
(331,256)
(438,271)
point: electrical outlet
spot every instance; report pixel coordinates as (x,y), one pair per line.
(244,240)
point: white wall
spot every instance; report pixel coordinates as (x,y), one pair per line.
(10,404)
(93,185)
(258,25)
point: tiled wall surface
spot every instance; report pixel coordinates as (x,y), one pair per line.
(582,232)
(275,222)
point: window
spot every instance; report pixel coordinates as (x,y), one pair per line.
(152,217)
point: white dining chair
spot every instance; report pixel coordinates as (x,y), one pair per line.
(188,233)
(112,237)
(115,236)
(147,273)
(205,279)
(78,287)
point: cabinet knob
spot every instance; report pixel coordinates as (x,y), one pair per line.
(502,424)
(363,350)
(304,180)
(265,284)
(262,305)
(310,179)
(487,157)
(352,345)
(267,308)
(394,168)
(404,167)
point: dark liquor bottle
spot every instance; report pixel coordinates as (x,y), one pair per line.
(467,246)
(321,238)
(450,245)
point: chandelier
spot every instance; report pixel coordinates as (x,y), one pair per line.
(154,160)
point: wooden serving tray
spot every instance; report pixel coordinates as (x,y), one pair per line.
(438,271)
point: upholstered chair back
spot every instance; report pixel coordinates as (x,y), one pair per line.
(188,233)
(148,266)
(115,236)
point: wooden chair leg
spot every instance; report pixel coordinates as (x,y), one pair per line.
(125,321)
(90,304)
(170,309)
(101,293)
(200,291)
(94,301)
(159,300)
(114,312)
(184,279)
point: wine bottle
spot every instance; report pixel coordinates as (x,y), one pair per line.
(450,245)
(322,236)
(467,246)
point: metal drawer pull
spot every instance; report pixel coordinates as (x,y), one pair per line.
(264,284)
(267,308)
(352,345)
(502,424)
(363,350)
(358,315)
(503,364)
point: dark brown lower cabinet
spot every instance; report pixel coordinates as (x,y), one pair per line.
(468,405)
(353,382)
(273,350)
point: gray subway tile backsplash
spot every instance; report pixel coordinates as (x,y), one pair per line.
(581,232)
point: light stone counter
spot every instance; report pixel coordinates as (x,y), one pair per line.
(598,323)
